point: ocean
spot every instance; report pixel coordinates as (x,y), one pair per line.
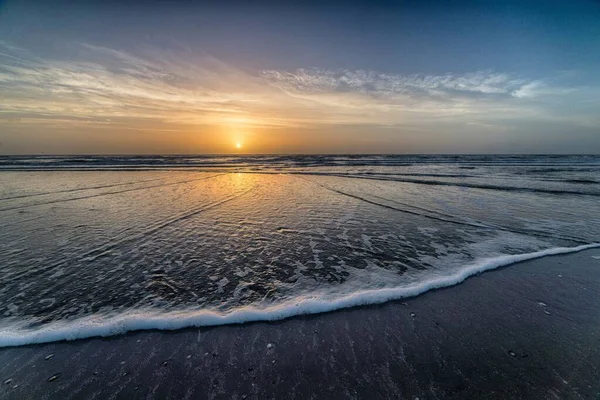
(102,245)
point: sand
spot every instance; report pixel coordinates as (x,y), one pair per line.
(529,331)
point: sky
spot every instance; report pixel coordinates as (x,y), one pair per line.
(207,77)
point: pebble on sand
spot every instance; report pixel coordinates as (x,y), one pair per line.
(270,346)
(8,381)
(49,356)
(54,377)
(512,353)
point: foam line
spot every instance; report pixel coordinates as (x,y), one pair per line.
(95,326)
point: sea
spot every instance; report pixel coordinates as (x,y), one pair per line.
(102,245)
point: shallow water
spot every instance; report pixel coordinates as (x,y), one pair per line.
(101,245)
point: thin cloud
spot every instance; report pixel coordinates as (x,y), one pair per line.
(116,84)
(317,80)
(187,88)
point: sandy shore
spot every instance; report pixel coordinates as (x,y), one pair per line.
(529,331)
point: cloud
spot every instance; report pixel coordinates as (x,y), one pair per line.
(482,99)
(114,84)
(107,86)
(378,84)
(528,90)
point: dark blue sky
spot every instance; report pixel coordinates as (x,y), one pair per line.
(470,76)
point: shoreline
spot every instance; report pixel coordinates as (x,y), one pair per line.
(529,331)
(91,327)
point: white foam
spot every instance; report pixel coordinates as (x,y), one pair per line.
(95,326)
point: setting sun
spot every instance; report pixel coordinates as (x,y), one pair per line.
(238,145)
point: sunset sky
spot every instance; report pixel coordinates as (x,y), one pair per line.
(140,77)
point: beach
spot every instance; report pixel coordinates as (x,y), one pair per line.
(527,331)
(298,200)
(357,276)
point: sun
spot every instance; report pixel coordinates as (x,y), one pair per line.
(238,145)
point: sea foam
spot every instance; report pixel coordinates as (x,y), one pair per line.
(101,326)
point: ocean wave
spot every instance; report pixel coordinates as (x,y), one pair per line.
(540,162)
(17,333)
(469,185)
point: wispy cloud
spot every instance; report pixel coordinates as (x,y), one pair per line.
(109,86)
(115,84)
(378,84)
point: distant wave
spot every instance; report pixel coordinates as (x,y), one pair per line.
(96,326)
(543,174)
(458,184)
(542,162)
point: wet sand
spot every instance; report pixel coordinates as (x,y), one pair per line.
(528,331)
